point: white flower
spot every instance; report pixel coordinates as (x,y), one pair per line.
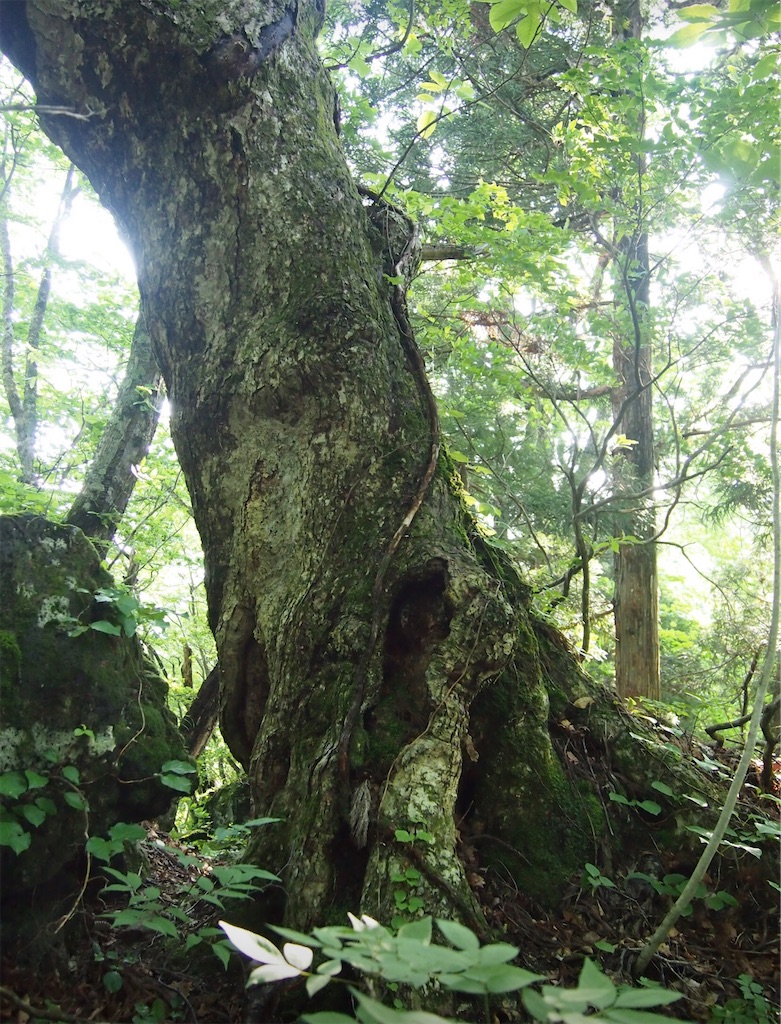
(365,922)
(288,963)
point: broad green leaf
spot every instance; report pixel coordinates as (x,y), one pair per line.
(535,1004)
(161,924)
(688,35)
(505,12)
(315,982)
(13,784)
(528,28)
(75,800)
(418,931)
(12,834)
(593,986)
(426,123)
(102,626)
(570,5)
(176,782)
(458,935)
(34,780)
(698,12)
(124,832)
(222,951)
(650,806)
(33,814)
(497,953)
(71,773)
(112,981)
(179,767)
(633,1017)
(662,787)
(644,997)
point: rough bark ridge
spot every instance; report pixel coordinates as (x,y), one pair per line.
(303,436)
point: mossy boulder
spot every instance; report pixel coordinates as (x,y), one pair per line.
(85,727)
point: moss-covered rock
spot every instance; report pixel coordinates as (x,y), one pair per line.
(85,724)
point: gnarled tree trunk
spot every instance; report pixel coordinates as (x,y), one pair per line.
(302,423)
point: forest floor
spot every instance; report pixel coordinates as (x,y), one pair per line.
(724,961)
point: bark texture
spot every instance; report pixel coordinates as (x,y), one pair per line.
(636,601)
(109,482)
(300,424)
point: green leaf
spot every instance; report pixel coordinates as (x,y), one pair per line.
(765,67)
(458,935)
(504,978)
(528,28)
(162,925)
(698,12)
(418,931)
(181,768)
(644,997)
(33,814)
(634,1017)
(46,805)
(570,5)
(222,951)
(535,1004)
(662,787)
(497,953)
(13,784)
(617,798)
(176,782)
(127,833)
(12,834)
(457,456)
(112,981)
(294,936)
(71,773)
(102,626)
(75,800)
(316,982)
(650,806)
(688,35)
(34,780)
(593,987)
(426,123)
(505,12)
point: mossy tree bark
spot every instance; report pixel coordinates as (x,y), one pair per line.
(300,424)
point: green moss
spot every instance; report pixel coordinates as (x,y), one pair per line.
(10,652)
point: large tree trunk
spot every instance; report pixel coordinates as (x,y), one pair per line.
(301,421)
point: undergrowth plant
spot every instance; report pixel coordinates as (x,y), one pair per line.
(175,918)
(409,957)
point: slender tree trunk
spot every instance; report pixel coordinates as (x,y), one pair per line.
(636,594)
(109,482)
(378,668)
(24,405)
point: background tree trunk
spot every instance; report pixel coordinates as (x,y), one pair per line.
(299,419)
(109,482)
(636,601)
